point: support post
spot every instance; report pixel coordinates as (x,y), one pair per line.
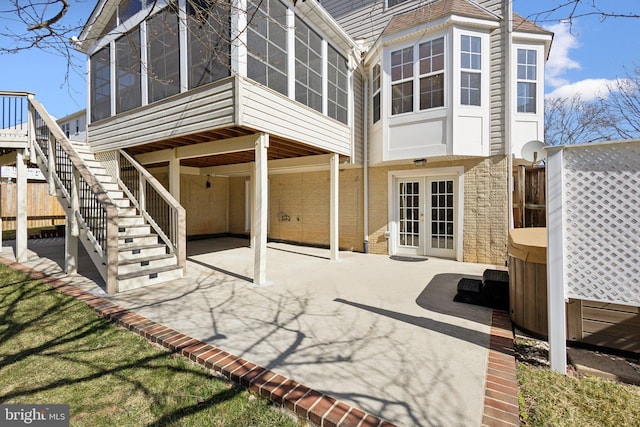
(334,182)
(174,177)
(555,262)
(21,207)
(70,250)
(51,165)
(261,199)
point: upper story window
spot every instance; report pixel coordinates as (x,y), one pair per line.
(402,80)
(471,70)
(375,92)
(308,66)
(100,84)
(163,69)
(337,85)
(430,78)
(527,80)
(128,69)
(208,51)
(267,44)
(432,74)
(77,126)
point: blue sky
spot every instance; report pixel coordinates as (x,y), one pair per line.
(585,57)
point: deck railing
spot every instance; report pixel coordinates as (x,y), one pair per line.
(14,117)
(157,205)
(92,210)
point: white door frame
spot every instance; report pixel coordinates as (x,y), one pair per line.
(392,225)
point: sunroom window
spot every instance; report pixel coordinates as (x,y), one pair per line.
(208,52)
(308,66)
(163,55)
(337,85)
(128,91)
(101,84)
(267,44)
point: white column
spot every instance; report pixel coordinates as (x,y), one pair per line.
(334,182)
(555,263)
(183,34)
(21,207)
(260,202)
(72,229)
(174,177)
(70,249)
(239,37)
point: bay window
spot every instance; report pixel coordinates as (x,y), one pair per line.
(471,65)
(432,74)
(402,81)
(527,78)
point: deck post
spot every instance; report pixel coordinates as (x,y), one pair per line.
(21,207)
(261,199)
(70,250)
(174,176)
(333,207)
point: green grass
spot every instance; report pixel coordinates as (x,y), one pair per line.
(54,349)
(550,399)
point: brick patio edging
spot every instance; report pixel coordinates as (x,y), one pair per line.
(307,403)
(501,386)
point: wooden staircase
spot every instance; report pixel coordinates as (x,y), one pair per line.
(143,258)
(130,225)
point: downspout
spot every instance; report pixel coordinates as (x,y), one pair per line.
(508,109)
(365,154)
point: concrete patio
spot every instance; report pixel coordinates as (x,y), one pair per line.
(377,332)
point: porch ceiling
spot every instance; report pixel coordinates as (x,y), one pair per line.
(279,148)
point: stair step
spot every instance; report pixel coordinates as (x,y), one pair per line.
(149,277)
(127,211)
(119,194)
(140,251)
(133,230)
(122,203)
(141,239)
(131,265)
(147,271)
(126,221)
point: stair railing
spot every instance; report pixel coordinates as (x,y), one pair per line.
(92,210)
(161,210)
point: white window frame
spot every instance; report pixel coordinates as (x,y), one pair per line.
(527,80)
(376,90)
(471,70)
(431,73)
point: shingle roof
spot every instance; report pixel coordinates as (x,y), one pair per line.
(526,26)
(435,10)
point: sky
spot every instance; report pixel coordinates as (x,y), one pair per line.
(586,56)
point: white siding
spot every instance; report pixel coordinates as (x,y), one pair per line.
(358,99)
(265,110)
(205,108)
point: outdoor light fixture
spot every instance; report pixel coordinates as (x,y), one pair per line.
(208,183)
(420,162)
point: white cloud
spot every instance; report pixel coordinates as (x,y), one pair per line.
(559,61)
(588,89)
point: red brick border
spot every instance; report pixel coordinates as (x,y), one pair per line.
(314,406)
(501,387)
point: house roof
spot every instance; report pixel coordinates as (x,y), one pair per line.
(435,10)
(521,24)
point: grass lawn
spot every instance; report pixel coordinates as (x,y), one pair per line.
(54,349)
(550,399)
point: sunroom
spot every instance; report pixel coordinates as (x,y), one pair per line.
(209,94)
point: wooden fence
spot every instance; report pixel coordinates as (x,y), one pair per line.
(529,198)
(43,210)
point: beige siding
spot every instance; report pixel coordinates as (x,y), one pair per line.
(365,19)
(268,111)
(205,108)
(358,108)
(497,85)
(494,6)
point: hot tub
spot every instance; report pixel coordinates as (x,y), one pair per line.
(527,253)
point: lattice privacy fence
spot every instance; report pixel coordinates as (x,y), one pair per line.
(601,222)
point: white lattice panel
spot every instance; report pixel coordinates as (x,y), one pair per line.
(109,162)
(601,210)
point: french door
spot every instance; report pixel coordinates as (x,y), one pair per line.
(426,216)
